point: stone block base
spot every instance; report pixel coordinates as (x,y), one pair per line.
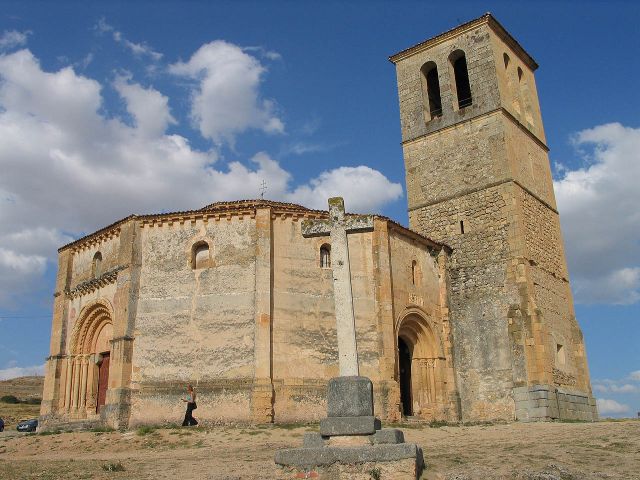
(546,402)
(331,426)
(386,462)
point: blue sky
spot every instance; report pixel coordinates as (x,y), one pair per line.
(140,107)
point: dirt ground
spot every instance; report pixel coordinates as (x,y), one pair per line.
(541,451)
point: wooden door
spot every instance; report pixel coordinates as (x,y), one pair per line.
(103,381)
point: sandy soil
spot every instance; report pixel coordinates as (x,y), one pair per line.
(549,451)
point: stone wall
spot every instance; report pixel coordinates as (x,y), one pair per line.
(304,328)
(479,180)
(195,325)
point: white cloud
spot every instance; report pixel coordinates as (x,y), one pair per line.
(597,387)
(608,406)
(268,54)
(15,372)
(69,167)
(147,106)
(635,375)
(138,49)
(598,205)
(12,38)
(225,99)
(355,184)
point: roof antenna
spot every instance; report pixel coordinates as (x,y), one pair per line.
(263,188)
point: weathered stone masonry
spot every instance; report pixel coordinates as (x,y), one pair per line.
(234,300)
(478,179)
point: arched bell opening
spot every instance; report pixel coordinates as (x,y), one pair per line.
(87,367)
(420,368)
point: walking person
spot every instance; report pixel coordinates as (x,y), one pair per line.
(191,406)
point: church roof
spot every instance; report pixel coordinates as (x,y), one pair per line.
(239,205)
(486,18)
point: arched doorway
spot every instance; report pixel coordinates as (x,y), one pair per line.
(420,365)
(87,373)
(404,363)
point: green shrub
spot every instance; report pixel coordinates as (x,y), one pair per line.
(33,401)
(9,399)
(144,430)
(113,467)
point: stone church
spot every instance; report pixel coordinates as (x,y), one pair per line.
(466,315)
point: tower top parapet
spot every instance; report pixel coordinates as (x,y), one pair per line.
(488,19)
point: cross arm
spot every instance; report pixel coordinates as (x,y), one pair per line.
(316,228)
(358,223)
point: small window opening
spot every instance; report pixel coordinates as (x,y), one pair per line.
(431,90)
(96,266)
(560,355)
(524,93)
(200,255)
(505,57)
(325,256)
(415,273)
(461,75)
(461,226)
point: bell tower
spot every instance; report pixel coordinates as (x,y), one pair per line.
(478,179)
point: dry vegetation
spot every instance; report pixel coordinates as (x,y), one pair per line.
(24,388)
(543,451)
(550,451)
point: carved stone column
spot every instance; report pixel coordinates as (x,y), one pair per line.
(76,384)
(68,383)
(83,383)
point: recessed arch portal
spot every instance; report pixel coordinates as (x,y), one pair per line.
(87,371)
(420,350)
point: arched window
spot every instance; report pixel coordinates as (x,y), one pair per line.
(461,76)
(561,358)
(505,57)
(524,94)
(96,266)
(325,256)
(200,255)
(415,273)
(431,91)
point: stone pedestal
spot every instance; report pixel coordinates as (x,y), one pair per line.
(351,443)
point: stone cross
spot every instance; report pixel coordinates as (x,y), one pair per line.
(337,227)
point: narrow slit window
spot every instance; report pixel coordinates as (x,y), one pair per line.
(431,90)
(461,226)
(200,256)
(524,93)
(461,76)
(96,266)
(325,256)
(560,354)
(416,275)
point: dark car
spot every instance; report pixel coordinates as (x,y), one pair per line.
(27,425)
(1,425)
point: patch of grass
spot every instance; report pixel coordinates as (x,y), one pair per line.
(572,420)
(375,474)
(50,432)
(113,467)
(145,430)
(293,426)
(102,430)
(441,423)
